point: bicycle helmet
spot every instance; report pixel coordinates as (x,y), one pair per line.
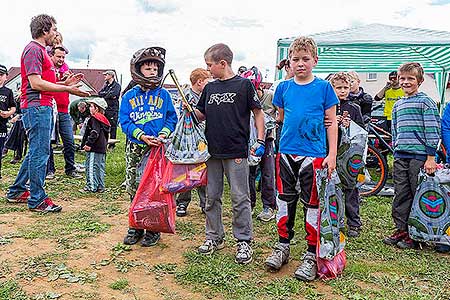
(155,54)
(254,75)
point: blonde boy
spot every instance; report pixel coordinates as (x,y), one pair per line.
(303,101)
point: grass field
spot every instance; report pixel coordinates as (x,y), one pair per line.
(78,253)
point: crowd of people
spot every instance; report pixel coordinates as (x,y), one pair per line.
(309,113)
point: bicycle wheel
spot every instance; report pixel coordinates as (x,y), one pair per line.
(375,173)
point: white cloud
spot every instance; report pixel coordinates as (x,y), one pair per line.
(111,31)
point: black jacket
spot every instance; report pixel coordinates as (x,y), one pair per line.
(364,101)
(97,133)
(354,112)
(111,93)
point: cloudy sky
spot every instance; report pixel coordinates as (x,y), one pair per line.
(111,31)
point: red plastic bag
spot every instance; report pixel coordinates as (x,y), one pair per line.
(182,178)
(151,209)
(329,269)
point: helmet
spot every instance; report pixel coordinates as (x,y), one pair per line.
(155,54)
(241,70)
(254,75)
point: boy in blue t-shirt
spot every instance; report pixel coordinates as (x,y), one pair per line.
(303,102)
(146,116)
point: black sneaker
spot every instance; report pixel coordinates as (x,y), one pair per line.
(181,210)
(133,236)
(150,238)
(353,232)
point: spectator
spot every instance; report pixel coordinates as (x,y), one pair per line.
(359,97)
(7,109)
(38,86)
(111,92)
(391,92)
(78,112)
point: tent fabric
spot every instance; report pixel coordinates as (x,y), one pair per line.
(379,48)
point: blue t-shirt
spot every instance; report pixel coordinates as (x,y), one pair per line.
(304,107)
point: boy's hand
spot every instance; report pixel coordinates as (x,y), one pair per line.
(258,148)
(430,165)
(330,163)
(86,148)
(338,119)
(346,122)
(150,140)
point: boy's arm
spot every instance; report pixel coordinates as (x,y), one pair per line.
(259,122)
(380,95)
(127,125)
(432,135)
(394,126)
(332,133)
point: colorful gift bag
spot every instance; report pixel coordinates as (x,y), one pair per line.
(351,155)
(429,219)
(330,254)
(151,209)
(188,144)
(183,178)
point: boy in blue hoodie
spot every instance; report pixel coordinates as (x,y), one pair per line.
(146,116)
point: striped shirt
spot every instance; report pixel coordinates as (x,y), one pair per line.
(415,127)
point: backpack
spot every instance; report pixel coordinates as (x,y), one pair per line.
(429,219)
(351,156)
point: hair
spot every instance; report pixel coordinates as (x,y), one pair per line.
(353,75)
(393,73)
(220,52)
(342,76)
(303,43)
(41,24)
(412,68)
(82,104)
(54,48)
(283,63)
(197,74)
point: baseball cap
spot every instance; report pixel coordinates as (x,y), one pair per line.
(100,102)
(393,74)
(3,70)
(109,72)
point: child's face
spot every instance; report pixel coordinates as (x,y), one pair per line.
(302,62)
(215,68)
(93,109)
(149,69)
(409,82)
(342,89)
(354,85)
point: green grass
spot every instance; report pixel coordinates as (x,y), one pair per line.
(373,270)
(119,284)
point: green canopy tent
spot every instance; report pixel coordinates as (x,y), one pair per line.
(380,48)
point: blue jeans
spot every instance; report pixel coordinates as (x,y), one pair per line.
(66,133)
(38,122)
(95,171)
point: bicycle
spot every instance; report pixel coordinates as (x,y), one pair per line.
(375,175)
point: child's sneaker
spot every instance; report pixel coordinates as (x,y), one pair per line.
(307,271)
(266,215)
(181,210)
(19,198)
(47,206)
(210,246)
(133,236)
(396,237)
(279,256)
(406,243)
(244,253)
(150,238)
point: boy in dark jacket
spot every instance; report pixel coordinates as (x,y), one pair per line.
(347,110)
(94,142)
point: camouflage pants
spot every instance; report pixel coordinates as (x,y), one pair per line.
(134,153)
